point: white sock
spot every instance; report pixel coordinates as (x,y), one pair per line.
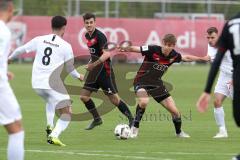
(61,125)
(16,146)
(50,112)
(219,117)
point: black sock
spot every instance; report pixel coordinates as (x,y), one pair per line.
(139,113)
(125,110)
(92,109)
(177,123)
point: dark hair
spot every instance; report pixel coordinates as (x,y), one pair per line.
(89,16)
(170,38)
(58,22)
(212,30)
(4,4)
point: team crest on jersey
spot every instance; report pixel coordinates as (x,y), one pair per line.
(91,42)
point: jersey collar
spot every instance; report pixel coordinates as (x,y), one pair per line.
(90,35)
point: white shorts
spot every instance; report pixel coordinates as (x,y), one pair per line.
(53,98)
(9,107)
(223,85)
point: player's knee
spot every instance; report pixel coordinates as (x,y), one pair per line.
(143,102)
(84,98)
(65,110)
(217,103)
(115,100)
(14,127)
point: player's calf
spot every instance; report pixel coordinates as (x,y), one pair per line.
(139,113)
(125,110)
(15,149)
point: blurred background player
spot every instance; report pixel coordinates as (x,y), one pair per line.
(156,62)
(102,76)
(10,114)
(51,53)
(229,40)
(223,87)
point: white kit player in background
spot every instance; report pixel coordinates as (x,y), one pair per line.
(51,53)
(10,114)
(223,87)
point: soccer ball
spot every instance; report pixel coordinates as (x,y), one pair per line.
(122,131)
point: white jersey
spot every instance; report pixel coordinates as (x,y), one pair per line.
(9,107)
(51,52)
(226,65)
(5,39)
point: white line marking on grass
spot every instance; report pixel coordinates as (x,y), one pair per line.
(194,153)
(95,154)
(115,154)
(166,153)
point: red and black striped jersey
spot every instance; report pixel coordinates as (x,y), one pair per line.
(96,42)
(155,61)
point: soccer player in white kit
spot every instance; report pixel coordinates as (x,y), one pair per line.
(10,114)
(52,52)
(223,87)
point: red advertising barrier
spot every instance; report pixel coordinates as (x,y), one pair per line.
(191,35)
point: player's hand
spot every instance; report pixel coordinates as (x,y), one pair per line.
(10,75)
(205,59)
(81,77)
(123,49)
(203,101)
(89,67)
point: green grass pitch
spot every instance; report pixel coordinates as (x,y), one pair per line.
(156,139)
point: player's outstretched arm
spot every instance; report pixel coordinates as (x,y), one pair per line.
(69,64)
(135,49)
(72,71)
(191,58)
(17,52)
(102,59)
(27,48)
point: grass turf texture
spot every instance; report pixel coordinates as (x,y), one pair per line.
(156,139)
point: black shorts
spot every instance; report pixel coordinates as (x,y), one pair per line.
(159,93)
(104,81)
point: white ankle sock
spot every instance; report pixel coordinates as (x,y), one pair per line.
(16,146)
(219,117)
(61,125)
(50,112)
